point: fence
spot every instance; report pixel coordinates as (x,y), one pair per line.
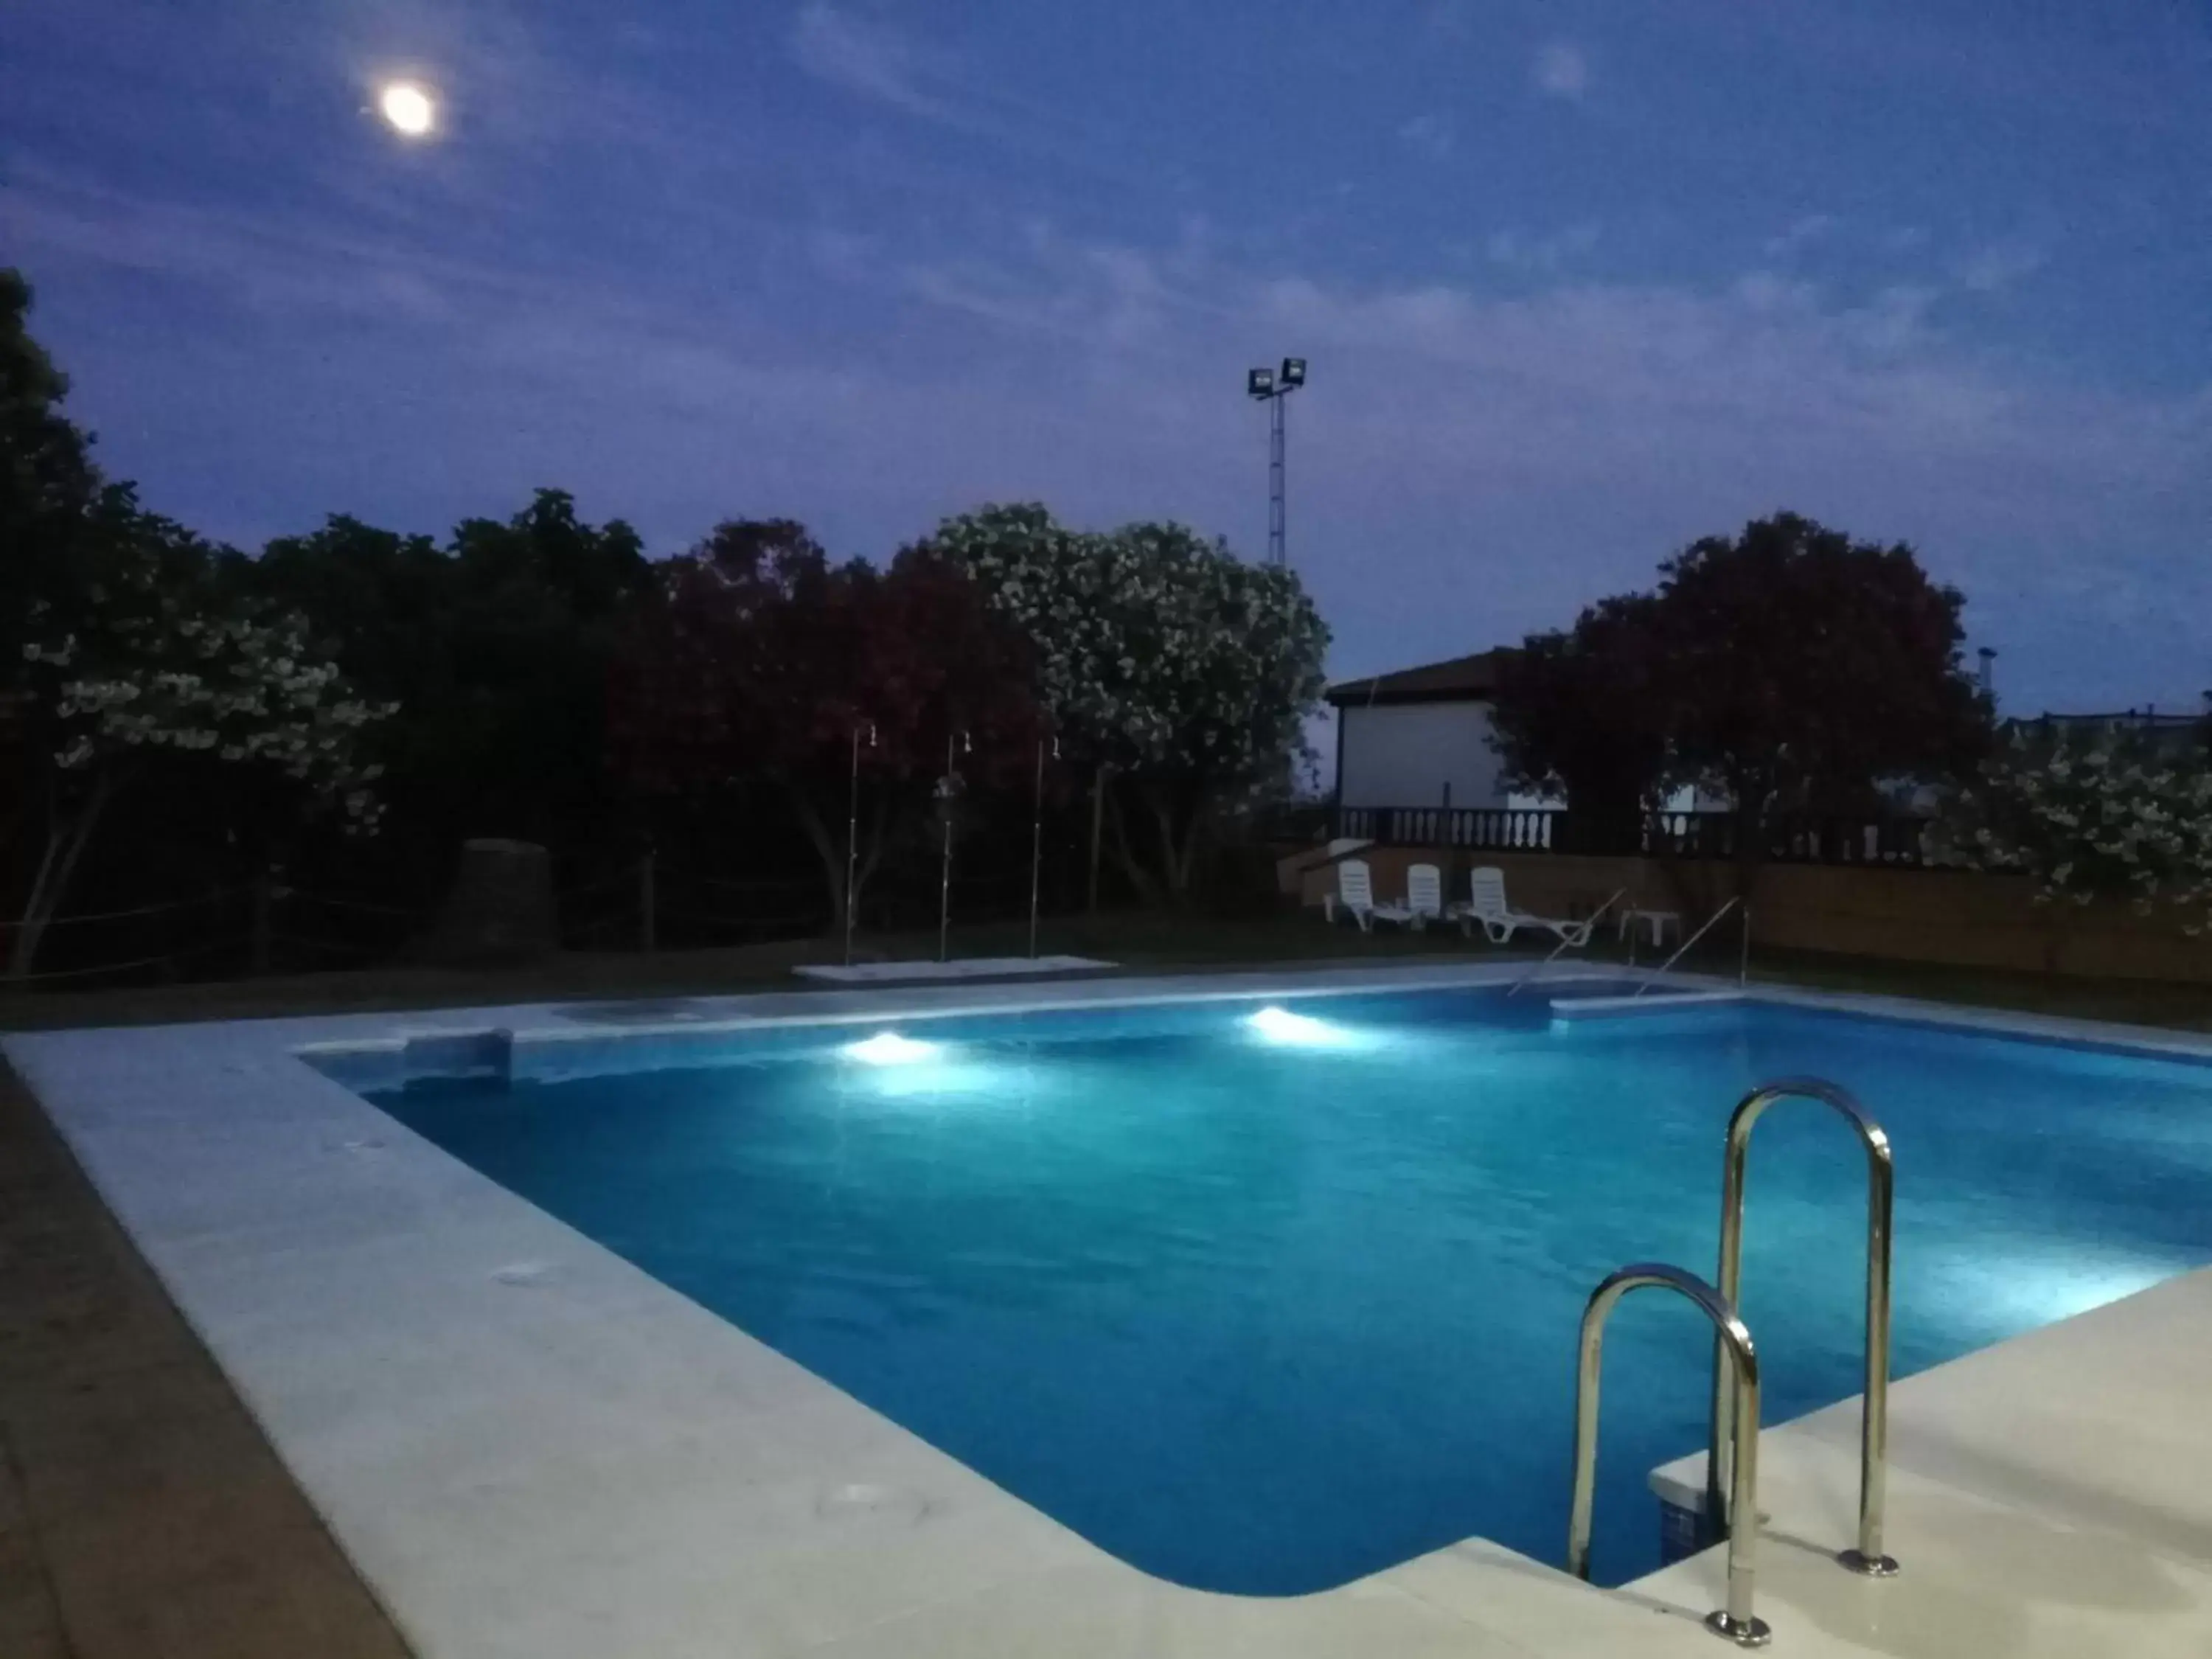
(1500,828)
(273,925)
(1897,842)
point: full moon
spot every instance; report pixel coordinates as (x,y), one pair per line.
(408,108)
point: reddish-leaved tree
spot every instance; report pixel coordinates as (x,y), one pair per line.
(756,659)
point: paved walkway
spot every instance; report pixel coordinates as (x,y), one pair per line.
(143,1515)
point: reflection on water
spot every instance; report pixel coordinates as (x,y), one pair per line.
(1263,1305)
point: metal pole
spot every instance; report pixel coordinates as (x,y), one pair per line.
(1097,830)
(1036,844)
(853,837)
(1277,555)
(648,906)
(1874,1412)
(1743,963)
(264,901)
(1731,1337)
(949,787)
(1589,925)
(1711,923)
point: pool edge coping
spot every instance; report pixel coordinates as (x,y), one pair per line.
(285,1037)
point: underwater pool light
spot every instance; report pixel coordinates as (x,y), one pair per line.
(888,1049)
(1281,1025)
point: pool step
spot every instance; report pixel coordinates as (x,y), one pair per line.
(1654,1002)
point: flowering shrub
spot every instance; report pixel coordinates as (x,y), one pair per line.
(151,665)
(237,689)
(1160,655)
(1157,649)
(2107,818)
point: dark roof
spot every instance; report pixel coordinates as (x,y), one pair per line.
(1463,680)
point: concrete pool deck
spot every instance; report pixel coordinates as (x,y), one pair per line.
(529,1447)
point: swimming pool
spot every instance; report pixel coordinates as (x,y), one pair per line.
(1263,1306)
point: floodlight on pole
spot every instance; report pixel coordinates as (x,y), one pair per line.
(1271,387)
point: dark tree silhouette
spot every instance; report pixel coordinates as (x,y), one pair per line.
(48,485)
(1580,713)
(1789,666)
(496,649)
(756,659)
(1800,668)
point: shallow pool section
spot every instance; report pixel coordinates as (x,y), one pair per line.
(1264,1297)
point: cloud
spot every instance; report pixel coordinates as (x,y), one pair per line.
(1088,293)
(1428,134)
(1896,318)
(1811,228)
(1444,411)
(1999,265)
(1521,251)
(872,60)
(295,366)
(875,61)
(1561,70)
(1448,19)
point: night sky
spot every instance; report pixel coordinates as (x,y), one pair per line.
(1577,282)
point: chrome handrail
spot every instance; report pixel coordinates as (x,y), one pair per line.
(1874,1412)
(1733,1621)
(1588,925)
(1682,950)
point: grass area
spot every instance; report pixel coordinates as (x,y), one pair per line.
(1135,940)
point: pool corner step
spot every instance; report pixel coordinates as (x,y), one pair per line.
(1655,1002)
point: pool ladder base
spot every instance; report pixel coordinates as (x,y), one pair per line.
(1867,1566)
(1750,1632)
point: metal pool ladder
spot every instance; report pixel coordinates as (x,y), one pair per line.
(1732,1459)
(1874,1417)
(1735,1620)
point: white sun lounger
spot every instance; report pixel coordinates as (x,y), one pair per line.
(1487,905)
(1425,894)
(1355,894)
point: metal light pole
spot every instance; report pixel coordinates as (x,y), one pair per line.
(948,791)
(852,834)
(1272,386)
(1036,841)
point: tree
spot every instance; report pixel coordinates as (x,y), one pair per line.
(48,485)
(2112,818)
(48,489)
(496,649)
(756,661)
(1578,713)
(1789,666)
(155,675)
(1161,658)
(1801,667)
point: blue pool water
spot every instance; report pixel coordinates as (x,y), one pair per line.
(1261,1315)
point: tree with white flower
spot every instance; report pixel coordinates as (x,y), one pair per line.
(2109,817)
(1163,659)
(152,668)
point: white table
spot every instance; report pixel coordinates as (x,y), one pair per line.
(1657,920)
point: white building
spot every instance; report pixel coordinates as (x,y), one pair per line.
(1420,737)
